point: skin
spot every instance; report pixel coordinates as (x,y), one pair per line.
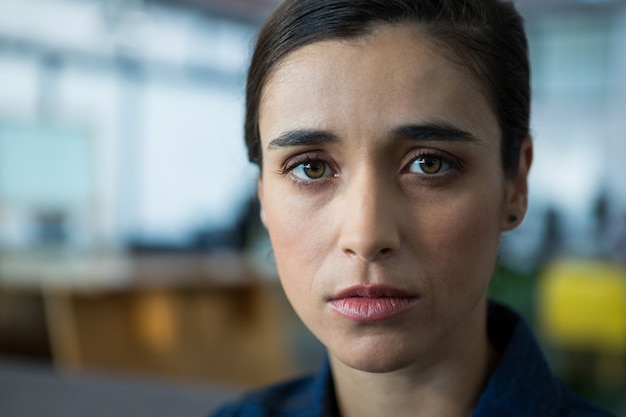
(377,215)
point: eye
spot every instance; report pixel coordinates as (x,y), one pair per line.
(429,165)
(311,170)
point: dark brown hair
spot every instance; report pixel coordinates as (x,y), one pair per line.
(486,36)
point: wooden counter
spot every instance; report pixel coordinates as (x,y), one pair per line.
(188,317)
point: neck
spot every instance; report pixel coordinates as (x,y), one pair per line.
(447,383)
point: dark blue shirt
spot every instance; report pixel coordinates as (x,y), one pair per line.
(522,384)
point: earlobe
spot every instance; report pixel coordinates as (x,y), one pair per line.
(517,189)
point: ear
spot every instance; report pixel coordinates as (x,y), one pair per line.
(516,204)
(259,187)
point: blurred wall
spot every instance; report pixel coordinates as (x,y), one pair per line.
(578,197)
(119,121)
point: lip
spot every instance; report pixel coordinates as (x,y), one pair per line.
(371,303)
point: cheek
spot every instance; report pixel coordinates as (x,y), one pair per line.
(468,233)
(297,241)
(286,237)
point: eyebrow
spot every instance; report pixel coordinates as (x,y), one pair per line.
(416,132)
(302,138)
(433,131)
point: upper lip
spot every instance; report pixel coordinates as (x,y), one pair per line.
(373,291)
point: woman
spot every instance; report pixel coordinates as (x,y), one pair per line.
(393,141)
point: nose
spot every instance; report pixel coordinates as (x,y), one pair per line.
(370,230)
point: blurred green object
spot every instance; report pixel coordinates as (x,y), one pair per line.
(515,289)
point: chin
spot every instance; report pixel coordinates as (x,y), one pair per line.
(377,365)
(375,357)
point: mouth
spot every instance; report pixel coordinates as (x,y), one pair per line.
(372,303)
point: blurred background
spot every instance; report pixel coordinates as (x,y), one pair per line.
(130,248)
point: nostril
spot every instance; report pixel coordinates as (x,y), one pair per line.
(369,256)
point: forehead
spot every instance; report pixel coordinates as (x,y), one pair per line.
(394,73)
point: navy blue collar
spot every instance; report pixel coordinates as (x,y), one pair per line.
(522,380)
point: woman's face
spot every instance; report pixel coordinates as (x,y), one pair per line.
(384,196)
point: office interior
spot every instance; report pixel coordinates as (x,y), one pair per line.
(131,254)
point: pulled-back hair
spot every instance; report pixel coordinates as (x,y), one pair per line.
(486,36)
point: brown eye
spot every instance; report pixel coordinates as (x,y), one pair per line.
(429,165)
(311,170)
(314,170)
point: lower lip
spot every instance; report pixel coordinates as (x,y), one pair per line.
(365,309)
